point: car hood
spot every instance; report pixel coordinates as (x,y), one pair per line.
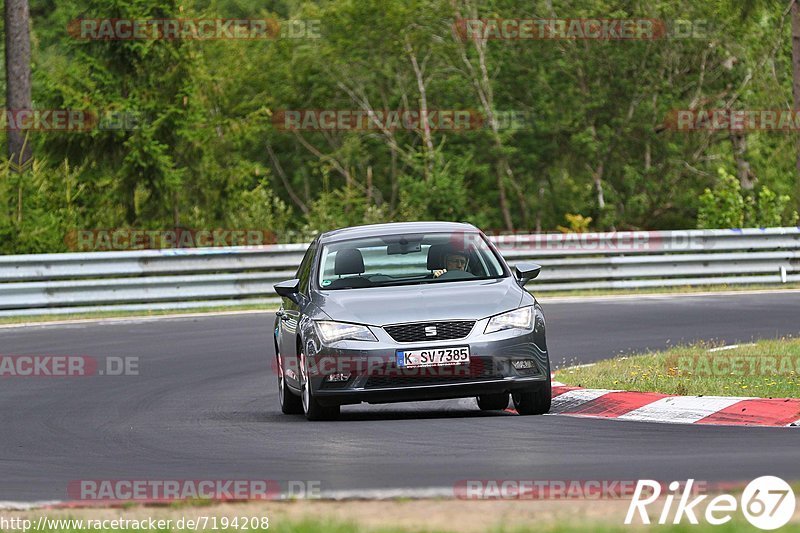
(458,300)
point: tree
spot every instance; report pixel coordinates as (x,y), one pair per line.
(18,77)
(796,71)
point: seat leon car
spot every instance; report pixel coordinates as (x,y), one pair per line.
(408,312)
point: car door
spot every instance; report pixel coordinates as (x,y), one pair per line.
(289,318)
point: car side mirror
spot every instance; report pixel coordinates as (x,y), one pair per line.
(526,272)
(289,289)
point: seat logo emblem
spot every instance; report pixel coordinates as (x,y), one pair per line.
(430,331)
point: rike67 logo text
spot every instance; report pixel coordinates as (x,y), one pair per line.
(767,503)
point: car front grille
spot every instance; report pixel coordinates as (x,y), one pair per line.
(421,331)
(477,370)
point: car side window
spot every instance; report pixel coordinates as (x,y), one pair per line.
(304,272)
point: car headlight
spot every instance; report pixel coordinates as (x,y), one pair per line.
(521,318)
(338,331)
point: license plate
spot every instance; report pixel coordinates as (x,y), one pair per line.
(433,357)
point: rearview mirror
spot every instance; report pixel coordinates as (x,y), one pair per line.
(289,289)
(401,248)
(526,272)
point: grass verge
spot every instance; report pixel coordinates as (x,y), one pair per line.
(685,289)
(765,369)
(130,314)
(437,515)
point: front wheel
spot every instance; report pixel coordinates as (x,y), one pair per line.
(290,403)
(493,402)
(311,406)
(535,400)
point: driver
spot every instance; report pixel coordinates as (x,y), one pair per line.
(452,261)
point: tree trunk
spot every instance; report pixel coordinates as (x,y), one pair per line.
(745,174)
(369,185)
(483,86)
(597,177)
(505,170)
(539,209)
(395,184)
(18,77)
(176,212)
(423,110)
(796,74)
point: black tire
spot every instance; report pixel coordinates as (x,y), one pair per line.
(493,402)
(534,401)
(314,410)
(291,404)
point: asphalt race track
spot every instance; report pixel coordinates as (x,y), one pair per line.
(204,406)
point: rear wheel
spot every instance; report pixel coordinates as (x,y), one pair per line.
(493,402)
(533,401)
(311,406)
(290,403)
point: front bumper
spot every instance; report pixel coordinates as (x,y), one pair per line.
(372,375)
(416,393)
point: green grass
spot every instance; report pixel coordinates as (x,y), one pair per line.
(543,295)
(128,314)
(734,526)
(322,526)
(275,525)
(767,369)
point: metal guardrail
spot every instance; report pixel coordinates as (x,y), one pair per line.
(220,277)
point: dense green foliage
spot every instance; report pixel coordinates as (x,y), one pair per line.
(205,152)
(727,206)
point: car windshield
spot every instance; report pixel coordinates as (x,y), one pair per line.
(406,260)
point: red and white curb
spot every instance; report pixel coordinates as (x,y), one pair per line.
(670,409)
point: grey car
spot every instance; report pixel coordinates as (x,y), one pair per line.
(408,312)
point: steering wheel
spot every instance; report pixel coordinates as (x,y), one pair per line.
(457,274)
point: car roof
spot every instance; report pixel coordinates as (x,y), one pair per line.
(393,228)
